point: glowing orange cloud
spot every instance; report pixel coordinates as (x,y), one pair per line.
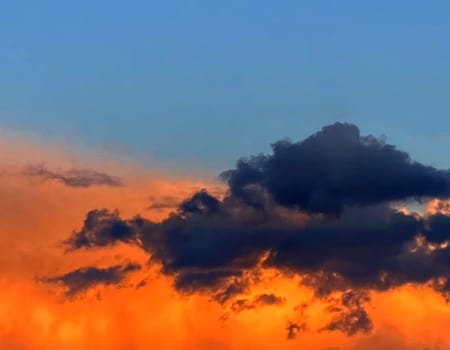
(146,312)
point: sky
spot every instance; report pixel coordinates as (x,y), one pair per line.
(160,79)
(202,175)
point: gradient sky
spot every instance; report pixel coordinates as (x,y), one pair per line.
(205,82)
(116,117)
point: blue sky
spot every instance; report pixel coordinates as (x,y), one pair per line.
(204,82)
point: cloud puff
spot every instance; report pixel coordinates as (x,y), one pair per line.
(73,177)
(334,168)
(101,227)
(293,329)
(351,318)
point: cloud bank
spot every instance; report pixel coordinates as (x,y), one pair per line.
(324,209)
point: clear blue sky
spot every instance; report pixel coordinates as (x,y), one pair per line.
(208,81)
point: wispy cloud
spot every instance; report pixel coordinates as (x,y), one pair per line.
(72,177)
(87,277)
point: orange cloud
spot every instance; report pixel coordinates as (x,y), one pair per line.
(146,312)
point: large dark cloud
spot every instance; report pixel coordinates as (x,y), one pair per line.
(73,177)
(334,168)
(321,208)
(82,279)
(372,247)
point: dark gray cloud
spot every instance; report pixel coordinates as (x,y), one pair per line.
(371,247)
(294,328)
(268,299)
(341,184)
(259,300)
(200,203)
(73,177)
(82,279)
(351,317)
(334,168)
(351,322)
(101,227)
(221,284)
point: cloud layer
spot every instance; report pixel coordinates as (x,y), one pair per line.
(323,209)
(234,306)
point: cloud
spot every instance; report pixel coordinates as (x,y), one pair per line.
(84,278)
(101,227)
(293,329)
(334,168)
(200,203)
(259,300)
(372,247)
(73,177)
(322,208)
(352,318)
(268,299)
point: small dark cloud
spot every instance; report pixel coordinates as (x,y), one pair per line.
(294,328)
(269,299)
(259,300)
(141,284)
(191,281)
(231,289)
(80,280)
(354,298)
(73,177)
(352,318)
(242,305)
(351,322)
(103,227)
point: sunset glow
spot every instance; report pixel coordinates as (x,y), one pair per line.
(224,175)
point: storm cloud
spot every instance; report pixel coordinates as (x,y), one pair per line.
(334,168)
(322,208)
